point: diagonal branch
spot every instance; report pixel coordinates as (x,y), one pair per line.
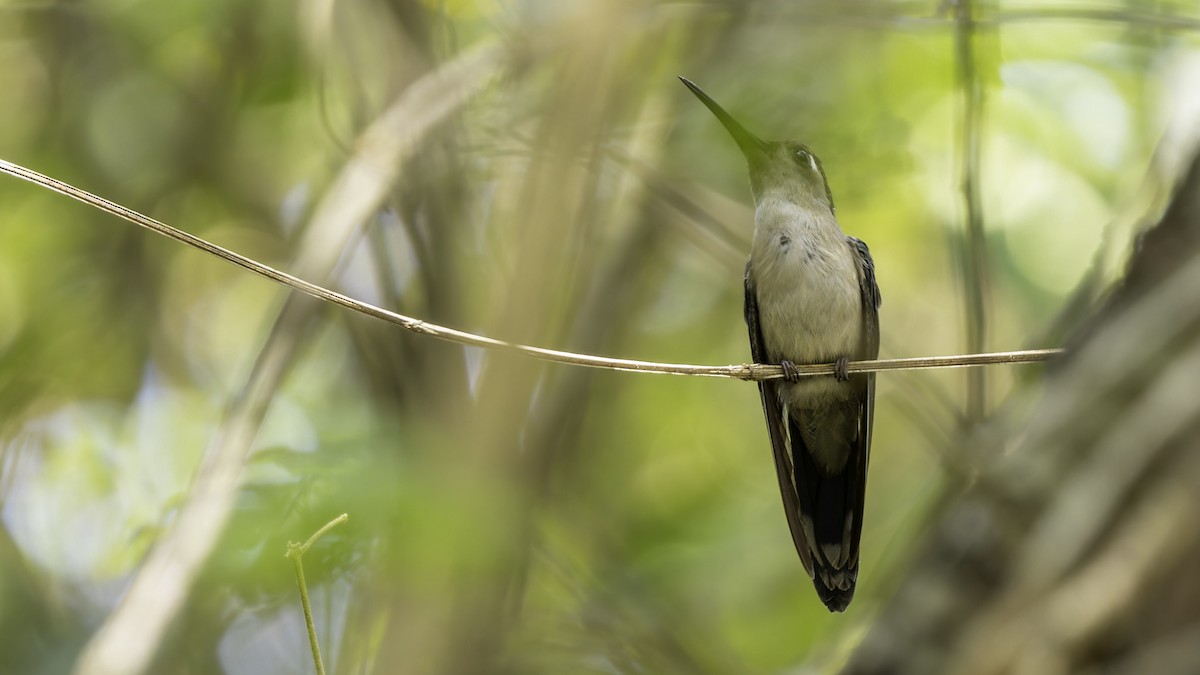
(740,372)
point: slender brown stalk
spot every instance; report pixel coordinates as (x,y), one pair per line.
(740,372)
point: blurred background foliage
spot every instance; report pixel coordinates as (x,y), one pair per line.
(508,515)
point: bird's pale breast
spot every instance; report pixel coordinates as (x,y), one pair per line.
(810,306)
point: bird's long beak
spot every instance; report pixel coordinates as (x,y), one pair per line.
(752,146)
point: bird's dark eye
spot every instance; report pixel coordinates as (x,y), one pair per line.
(805,157)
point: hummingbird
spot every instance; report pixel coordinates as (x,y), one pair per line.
(811,297)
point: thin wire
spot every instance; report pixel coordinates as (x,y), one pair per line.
(741,372)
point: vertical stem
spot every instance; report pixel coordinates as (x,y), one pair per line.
(973,256)
(308,618)
(296,552)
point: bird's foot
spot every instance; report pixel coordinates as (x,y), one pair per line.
(790,372)
(840,373)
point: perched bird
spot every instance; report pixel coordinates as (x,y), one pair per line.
(811,297)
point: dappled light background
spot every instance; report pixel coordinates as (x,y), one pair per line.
(508,515)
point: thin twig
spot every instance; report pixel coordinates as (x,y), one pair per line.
(301,549)
(920,18)
(295,552)
(1125,17)
(743,371)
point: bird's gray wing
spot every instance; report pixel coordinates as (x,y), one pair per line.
(869,339)
(774,413)
(871,299)
(868,349)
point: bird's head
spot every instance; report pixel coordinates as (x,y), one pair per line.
(778,169)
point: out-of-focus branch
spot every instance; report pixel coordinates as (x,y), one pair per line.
(132,634)
(1125,16)
(1076,548)
(973,254)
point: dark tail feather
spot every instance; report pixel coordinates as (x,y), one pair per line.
(832,502)
(836,599)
